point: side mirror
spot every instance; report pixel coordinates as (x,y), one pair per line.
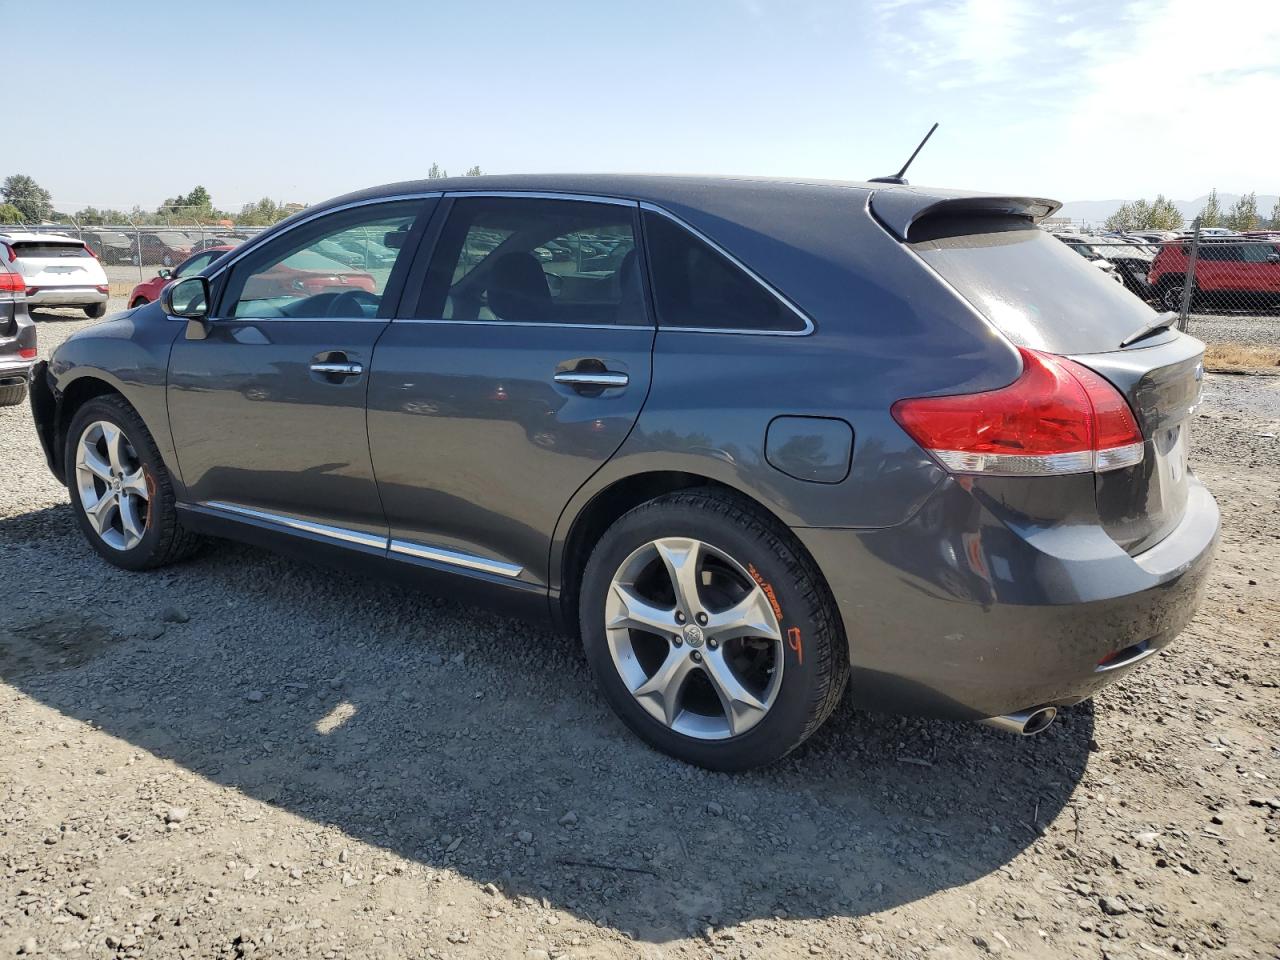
(188,298)
(164,273)
(1274,258)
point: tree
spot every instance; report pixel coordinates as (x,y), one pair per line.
(1275,215)
(10,214)
(195,206)
(264,213)
(1244,213)
(33,201)
(474,172)
(93,217)
(1159,214)
(435,173)
(1211,212)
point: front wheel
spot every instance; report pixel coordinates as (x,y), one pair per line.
(711,634)
(120,490)
(95,311)
(139,302)
(1171,296)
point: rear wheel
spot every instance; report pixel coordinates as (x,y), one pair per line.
(120,490)
(95,311)
(710,633)
(12,393)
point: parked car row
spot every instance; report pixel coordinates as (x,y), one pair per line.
(1234,269)
(159,246)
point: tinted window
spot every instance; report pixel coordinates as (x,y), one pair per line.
(1029,285)
(695,286)
(535,261)
(194,265)
(312,270)
(44,249)
(1256,252)
(1219,252)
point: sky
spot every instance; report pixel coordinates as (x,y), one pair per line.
(129,102)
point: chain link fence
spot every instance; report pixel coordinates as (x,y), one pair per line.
(1224,286)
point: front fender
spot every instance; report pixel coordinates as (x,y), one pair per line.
(126,354)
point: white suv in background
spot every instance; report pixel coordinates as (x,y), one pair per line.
(59,271)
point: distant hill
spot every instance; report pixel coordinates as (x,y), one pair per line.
(1096,211)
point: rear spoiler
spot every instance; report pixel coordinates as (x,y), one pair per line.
(899,209)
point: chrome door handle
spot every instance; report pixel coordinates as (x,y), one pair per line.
(585,378)
(338,369)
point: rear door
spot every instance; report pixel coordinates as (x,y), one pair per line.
(268,412)
(521,368)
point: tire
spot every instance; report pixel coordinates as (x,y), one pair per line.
(95,311)
(139,302)
(747,561)
(1171,295)
(12,394)
(162,539)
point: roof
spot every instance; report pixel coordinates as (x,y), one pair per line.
(38,237)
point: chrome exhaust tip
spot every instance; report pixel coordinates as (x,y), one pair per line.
(1025,723)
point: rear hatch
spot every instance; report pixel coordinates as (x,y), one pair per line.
(1044,297)
(55,262)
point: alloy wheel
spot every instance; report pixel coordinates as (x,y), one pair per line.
(114,487)
(694,638)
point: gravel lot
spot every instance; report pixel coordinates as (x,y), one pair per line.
(245,756)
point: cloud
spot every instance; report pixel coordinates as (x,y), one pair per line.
(955,43)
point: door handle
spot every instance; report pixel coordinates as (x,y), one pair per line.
(589,378)
(338,369)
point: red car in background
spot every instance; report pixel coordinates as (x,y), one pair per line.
(1235,269)
(304,274)
(149,290)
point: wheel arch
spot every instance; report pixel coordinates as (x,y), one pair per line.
(606,505)
(74,395)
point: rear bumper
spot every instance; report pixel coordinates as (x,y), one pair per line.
(954,614)
(14,369)
(65,297)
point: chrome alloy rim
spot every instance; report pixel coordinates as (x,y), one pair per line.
(113,485)
(694,638)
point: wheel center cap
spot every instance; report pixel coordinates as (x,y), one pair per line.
(693,634)
(115,484)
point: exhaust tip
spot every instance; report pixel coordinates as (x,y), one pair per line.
(1025,723)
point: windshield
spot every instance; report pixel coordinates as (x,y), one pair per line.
(1035,289)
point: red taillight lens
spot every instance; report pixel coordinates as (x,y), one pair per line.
(89,250)
(1058,417)
(102,288)
(12,283)
(27,353)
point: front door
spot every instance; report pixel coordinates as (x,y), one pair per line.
(521,370)
(268,412)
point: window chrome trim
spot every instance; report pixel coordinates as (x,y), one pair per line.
(455,558)
(809,326)
(342,534)
(541,195)
(528,323)
(249,246)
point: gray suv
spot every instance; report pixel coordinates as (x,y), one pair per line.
(757,442)
(17,336)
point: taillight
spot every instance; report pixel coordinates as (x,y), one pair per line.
(102,288)
(89,250)
(27,353)
(1058,417)
(12,283)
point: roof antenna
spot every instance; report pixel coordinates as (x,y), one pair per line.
(900,176)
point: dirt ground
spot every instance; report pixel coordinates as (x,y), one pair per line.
(246,756)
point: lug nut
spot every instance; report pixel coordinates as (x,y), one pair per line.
(712,643)
(697,657)
(680,617)
(677,640)
(702,619)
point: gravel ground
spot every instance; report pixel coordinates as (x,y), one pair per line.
(245,756)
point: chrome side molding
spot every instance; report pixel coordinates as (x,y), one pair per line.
(342,534)
(455,558)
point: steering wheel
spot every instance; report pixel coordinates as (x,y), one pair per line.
(350,303)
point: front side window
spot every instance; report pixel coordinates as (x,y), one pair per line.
(695,286)
(194,265)
(517,260)
(336,266)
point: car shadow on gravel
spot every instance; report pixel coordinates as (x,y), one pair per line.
(475,744)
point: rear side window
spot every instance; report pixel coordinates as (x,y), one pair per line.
(1030,286)
(697,287)
(33,250)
